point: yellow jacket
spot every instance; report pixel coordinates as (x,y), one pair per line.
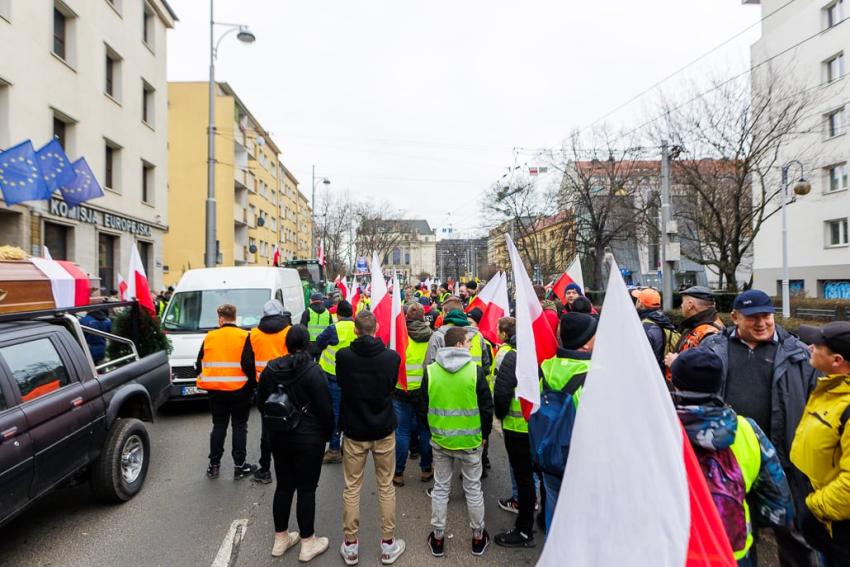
(819,453)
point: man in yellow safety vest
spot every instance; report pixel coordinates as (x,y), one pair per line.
(316,318)
(219,368)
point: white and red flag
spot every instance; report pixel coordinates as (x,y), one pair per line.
(339,283)
(68,283)
(572,275)
(386,306)
(276,256)
(398,333)
(320,254)
(137,284)
(535,338)
(122,288)
(485,296)
(657,514)
(497,307)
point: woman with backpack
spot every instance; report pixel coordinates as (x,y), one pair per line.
(737,459)
(296,406)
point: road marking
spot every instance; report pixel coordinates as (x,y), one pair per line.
(229,550)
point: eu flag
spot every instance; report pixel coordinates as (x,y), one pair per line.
(55,167)
(20,176)
(83,187)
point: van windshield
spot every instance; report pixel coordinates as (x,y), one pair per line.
(190,311)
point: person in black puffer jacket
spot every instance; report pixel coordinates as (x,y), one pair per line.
(298,454)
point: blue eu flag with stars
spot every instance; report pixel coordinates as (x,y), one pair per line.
(55,166)
(20,176)
(83,187)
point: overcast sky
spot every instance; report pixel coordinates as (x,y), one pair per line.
(421,103)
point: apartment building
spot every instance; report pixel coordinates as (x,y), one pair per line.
(818,243)
(91,73)
(256,195)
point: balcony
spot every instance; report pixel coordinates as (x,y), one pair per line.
(240,215)
(239,254)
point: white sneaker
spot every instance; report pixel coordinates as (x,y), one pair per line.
(311,547)
(349,552)
(391,551)
(282,542)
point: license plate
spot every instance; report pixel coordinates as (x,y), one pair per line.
(191,391)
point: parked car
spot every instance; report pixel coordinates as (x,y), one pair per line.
(64,419)
(192,311)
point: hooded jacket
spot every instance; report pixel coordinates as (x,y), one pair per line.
(793,381)
(420,332)
(438,341)
(453,359)
(270,324)
(655,331)
(821,453)
(711,427)
(366,372)
(97,319)
(307,385)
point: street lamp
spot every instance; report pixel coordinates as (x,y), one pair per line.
(245,35)
(324,181)
(801,188)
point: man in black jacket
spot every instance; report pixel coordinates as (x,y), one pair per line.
(367,373)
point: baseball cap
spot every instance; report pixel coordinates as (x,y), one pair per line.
(316,296)
(753,301)
(698,291)
(835,336)
(273,307)
(649,298)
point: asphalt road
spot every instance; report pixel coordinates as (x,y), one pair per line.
(181,518)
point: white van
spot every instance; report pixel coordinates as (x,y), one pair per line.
(192,310)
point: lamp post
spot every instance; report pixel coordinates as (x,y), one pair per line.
(244,35)
(802,187)
(324,181)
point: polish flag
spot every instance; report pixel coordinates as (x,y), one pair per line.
(659,514)
(122,288)
(137,286)
(276,256)
(398,334)
(339,283)
(321,253)
(381,301)
(572,275)
(355,299)
(68,283)
(487,294)
(497,308)
(535,338)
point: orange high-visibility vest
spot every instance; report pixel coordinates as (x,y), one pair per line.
(221,367)
(267,347)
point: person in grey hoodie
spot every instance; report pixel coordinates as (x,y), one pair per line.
(457,318)
(456,405)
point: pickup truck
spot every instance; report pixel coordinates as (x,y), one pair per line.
(64,419)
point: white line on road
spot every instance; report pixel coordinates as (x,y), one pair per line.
(229,550)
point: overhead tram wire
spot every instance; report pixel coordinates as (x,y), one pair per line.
(686,66)
(729,80)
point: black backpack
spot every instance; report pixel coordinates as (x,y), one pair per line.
(281,411)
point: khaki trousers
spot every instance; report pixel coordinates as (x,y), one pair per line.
(354,455)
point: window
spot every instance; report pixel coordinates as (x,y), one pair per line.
(396,256)
(57,238)
(37,368)
(107,174)
(112,166)
(60,33)
(113,74)
(63,130)
(834,68)
(106,259)
(148,26)
(146,255)
(147,182)
(5,131)
(837,177)
(836,232)
(834,13)
(59,131)
(835,123)
(147,103)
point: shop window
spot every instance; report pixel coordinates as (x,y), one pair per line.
(57,238)
(106,256)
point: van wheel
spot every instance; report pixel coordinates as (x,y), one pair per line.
(120,471)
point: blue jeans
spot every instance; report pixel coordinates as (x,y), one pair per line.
(336,396)
(405,415)
(553,487)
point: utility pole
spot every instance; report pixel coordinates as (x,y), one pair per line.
(666,263)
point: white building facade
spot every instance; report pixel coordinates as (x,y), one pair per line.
(91,73)
(818,245)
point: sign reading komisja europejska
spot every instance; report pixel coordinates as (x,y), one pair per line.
(87,215)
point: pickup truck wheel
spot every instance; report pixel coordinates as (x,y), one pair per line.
(120,471)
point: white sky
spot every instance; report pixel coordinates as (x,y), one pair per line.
(421,103)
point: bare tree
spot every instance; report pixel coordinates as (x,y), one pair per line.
(610,192)
(379,228)
(334,229)
(725,185)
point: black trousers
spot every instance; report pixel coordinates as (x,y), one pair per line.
(835,547)
(519,456)
(297,468)
(232,407)
(265,447)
